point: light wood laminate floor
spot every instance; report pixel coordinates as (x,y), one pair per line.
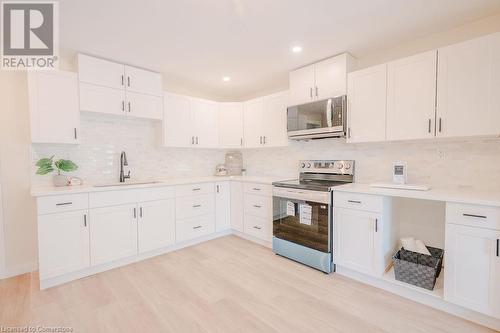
(224,285)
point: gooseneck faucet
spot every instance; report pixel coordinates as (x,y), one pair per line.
(123,162)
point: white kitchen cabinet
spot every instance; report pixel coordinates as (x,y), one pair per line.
(204,120)
(144,106)
(195,227)
(101,72)
(113,233)
(156,225)
(143,81)
(265,121)
(367,98)
(237,206)
(411,97)
(63,243)
(230,125)
(472,270)
(54,107)
(257,211)
(222,206)
(358,240)
(177,124)
(100,99)
(468,102)
(322,80)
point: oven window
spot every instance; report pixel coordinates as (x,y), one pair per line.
(301,222)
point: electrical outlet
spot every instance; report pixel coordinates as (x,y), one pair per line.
(441,154)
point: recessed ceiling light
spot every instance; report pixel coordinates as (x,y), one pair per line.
(297,49)
(226,79)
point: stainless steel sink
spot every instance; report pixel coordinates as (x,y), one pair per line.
(128,183)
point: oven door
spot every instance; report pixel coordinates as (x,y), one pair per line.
(302,217)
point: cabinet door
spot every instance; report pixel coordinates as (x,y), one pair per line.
(301,85)
(144,106)
(471,274)
(411,97)
(113,233)
(177,121)
(367,98)
(143,81)
(222,206)
(356,240)
(205,123)
(468,101)
(101,72)
(237,206)
(331,77)
(230,125)
(102,99)
(63,243)
(156,225)
(54,108)
(274,121)
(253,123)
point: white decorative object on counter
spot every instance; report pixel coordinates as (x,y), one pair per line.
(220,170)
(399,173)
(234,163)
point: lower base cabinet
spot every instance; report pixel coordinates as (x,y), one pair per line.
(63,242)
(195,227)
(156,225)
(258,227)
(113,233)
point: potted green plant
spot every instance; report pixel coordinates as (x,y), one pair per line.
(46,165)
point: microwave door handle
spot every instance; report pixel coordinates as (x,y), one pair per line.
(329,112)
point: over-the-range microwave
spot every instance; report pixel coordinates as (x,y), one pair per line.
(319,119)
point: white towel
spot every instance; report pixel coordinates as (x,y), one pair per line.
(409,244)
(421,248)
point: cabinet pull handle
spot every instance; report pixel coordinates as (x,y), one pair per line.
(192,140)
(196,140)
(217,188)
(311,92)
(196,189)
(135,213)
(430,123)
(440,125)
(128,81)
(140,212)
(64,203)
(349,133)
(129,107)
(241,142)
(257,206)
(316,91)
(196,206)
(85,220)
(123,105)
(475,216)
(354,201)
(265,138)
(76,134)
(256,189)
(376,225)
(498,247)
(260,140)
(122,80)
(197,227)
(256,227)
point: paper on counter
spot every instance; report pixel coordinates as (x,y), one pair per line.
(290,208)
(305,214)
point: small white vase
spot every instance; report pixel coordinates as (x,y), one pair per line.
(60,180)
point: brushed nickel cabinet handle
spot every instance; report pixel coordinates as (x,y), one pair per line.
(430,123)
(440,125)
(475,216)
(122,80)
(316,91)
(76,134)
(192,140)
(197,227)
(256,189)
(64,203)
(376,225)
(311,92)
(218,188)
(256,227)
(196,140)
(257,206)
(135,213)
(85,220)
(123,105)
(241,142)
(196,206)
(197,189)
(354,201)
(140,212)
(498,247)
(128,81)
(129,109)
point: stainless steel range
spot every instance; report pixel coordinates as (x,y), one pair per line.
(302,212)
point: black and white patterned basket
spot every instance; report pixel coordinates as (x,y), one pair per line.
(418,269)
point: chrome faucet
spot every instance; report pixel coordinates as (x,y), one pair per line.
(123,162)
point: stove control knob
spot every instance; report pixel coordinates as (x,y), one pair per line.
(347,166)
(308,165)
(340,165)
(302,165)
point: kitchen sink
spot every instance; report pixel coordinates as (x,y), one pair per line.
(128,183)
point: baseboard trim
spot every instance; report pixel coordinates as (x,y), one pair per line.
(19,269)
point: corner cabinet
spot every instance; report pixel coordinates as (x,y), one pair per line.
(230,124)
(113,88)
(54,107)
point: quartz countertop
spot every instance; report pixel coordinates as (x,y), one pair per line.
(39,191)
(467,196)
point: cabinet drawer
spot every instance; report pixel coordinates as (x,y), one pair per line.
(194,189)
(195,227)
(62,203)
(260,189)
(257,205)
(187,207)
(371,203)
(473,215)
(258,227)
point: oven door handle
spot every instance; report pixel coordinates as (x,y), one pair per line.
(329,112)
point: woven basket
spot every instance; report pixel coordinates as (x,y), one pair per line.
(418,269)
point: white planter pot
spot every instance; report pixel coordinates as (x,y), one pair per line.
(60,180)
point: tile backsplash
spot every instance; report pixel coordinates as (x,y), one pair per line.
(465,163)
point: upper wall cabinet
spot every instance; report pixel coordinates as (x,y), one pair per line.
(230,124)
(109,87)
(264,121)
(54,111)
(189,122)
(468,101)
(411,97)
(367,104)
(325,79)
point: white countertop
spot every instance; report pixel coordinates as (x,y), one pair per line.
(40,191)
(466,196)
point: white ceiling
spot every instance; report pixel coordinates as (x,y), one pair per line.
(197,42)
